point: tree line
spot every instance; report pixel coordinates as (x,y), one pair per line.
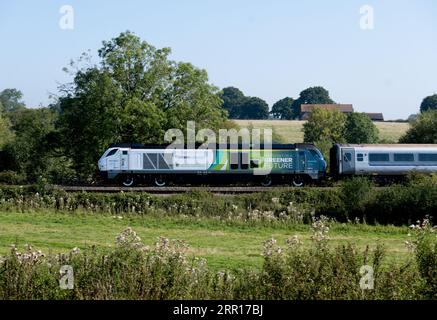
(240,106)
(134,93)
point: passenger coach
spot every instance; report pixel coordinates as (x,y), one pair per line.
(383,159)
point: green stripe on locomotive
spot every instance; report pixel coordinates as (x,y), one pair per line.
(278,161)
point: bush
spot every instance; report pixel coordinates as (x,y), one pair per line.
(357,193)
(11,177)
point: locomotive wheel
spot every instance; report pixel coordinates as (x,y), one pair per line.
(298,182)
(160,181)
(128,181)
(267,182)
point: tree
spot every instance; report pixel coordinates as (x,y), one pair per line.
(233,100)
(312,95)
(283,109)
(26,153)
(254,108)
(6,134)
(429,103)
(10,100)
(325,125)
(134,95)
(412,117)
(360,128)
(423,129)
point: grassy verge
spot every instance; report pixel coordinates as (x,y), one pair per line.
(225,244)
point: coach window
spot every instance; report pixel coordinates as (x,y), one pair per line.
(348,157)
(112,152)
(360,157)
(379,157)
(428,157)
(404,157)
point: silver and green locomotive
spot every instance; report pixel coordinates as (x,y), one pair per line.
(289,163)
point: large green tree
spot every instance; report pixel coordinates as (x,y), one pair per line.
(359,128)
(254,108)
(11,100)
(283,109)
(429,103)
(312,95)
(134,94)
(325,125)
(233,100)
(423,129)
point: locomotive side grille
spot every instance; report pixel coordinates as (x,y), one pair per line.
(154,161)
(150,161)
(162,164)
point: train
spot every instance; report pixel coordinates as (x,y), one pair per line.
(293,164)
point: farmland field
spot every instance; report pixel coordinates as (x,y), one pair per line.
(225,245)
(290,131)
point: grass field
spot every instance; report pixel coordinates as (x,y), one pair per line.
(291,131)
(225,245)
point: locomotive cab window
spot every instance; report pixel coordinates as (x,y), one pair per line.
(379,157)
(315,154)
(112,152)
(404,157)
(360,157)
(124,152)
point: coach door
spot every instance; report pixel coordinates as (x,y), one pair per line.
(348,161)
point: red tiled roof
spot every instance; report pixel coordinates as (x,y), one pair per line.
(340,107)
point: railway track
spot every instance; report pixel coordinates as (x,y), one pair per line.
(171,190)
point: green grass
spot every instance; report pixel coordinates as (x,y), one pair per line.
(225,245)
(290,131)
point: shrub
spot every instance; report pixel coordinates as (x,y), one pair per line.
(11,177)
(356,194)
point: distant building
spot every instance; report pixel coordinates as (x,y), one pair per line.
(376,116)
(306,109)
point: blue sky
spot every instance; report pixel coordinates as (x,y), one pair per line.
(269,49)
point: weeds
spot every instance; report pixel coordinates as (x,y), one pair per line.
(356,199)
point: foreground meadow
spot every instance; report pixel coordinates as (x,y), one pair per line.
(135,268)
(224,244)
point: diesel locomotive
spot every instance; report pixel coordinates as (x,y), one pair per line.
(292,163)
